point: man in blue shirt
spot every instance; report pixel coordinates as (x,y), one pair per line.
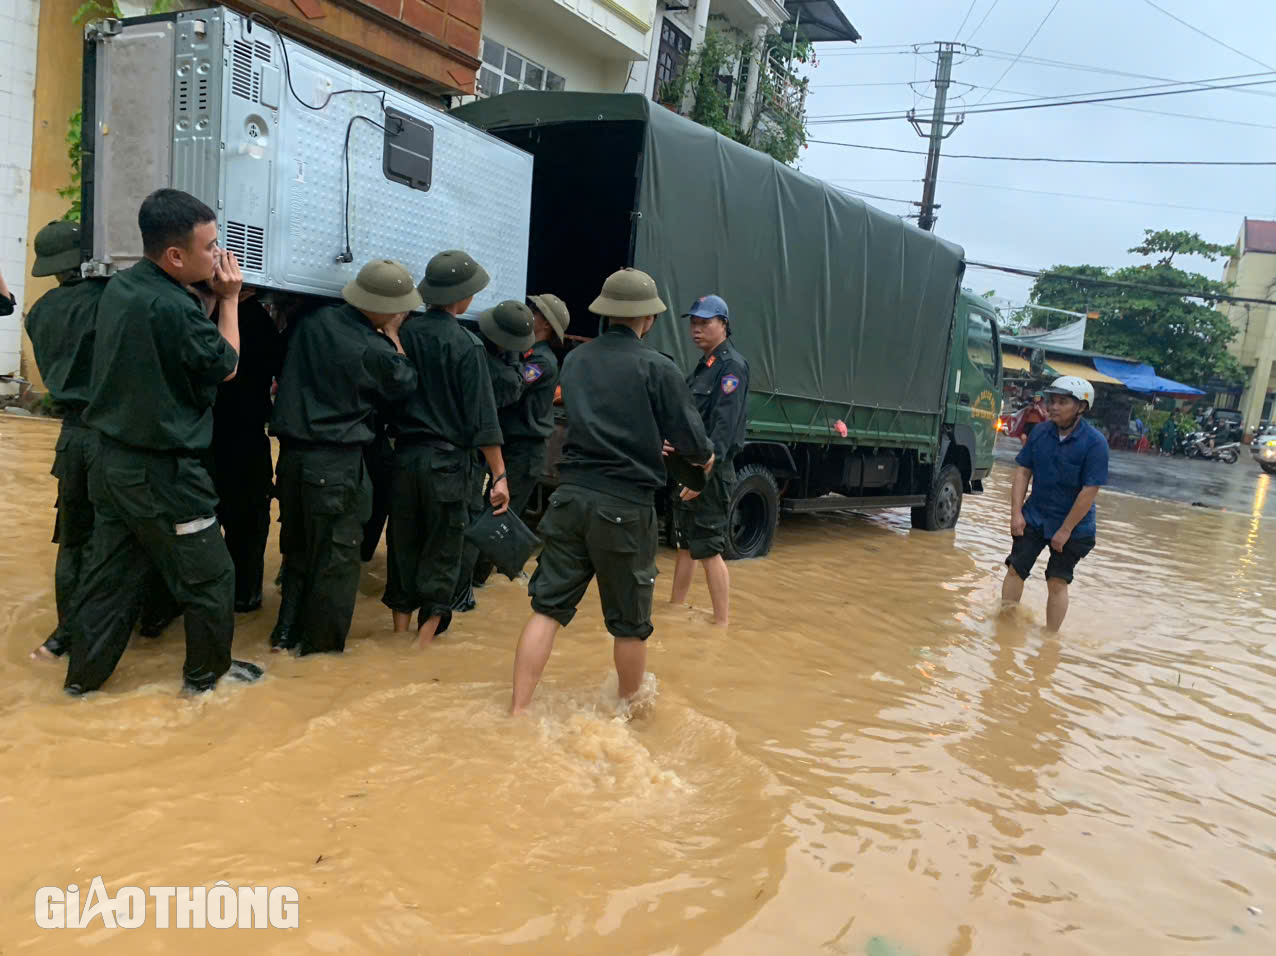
(1066,460)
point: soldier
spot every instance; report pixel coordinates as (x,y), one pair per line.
(241,463)
(622,399)
(720,384)
(157,362)
(527,425)
(451,413)
(506,332)
(342,360)
(61,325)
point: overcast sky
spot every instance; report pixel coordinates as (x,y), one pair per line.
(1027,228)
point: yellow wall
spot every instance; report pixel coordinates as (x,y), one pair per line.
(57,94)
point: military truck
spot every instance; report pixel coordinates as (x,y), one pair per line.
(875,381)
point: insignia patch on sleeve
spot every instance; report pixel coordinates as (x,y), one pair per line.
(729,384)
(531,372)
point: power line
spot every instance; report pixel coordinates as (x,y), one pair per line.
(1040,25)
(1191,116)
(857,192)
(994,108)
(1117,283)
(969,10)
(1126,202)
(1083,68)
(980,24)
(1057,159)
(1209,37)
(1046,98)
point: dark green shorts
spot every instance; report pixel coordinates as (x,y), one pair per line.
(700,525)
(589,533)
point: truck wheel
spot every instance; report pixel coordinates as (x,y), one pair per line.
(754,513)
(943,504)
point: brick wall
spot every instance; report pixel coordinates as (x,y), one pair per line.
(428,45)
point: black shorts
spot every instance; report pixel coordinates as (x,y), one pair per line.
(1027,547)
(589,533)
(700,525)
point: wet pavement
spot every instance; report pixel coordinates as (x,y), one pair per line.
(875,760)
(1241,487)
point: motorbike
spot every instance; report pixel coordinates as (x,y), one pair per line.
(1196,445)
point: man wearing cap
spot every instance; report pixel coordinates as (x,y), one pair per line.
(720,385)
(61,326)
(341,361)
(1066,460)
(527,425)
(451,413)
(157,362)
(622,398)
(506,332)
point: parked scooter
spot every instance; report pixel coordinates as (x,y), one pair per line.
(1197,445)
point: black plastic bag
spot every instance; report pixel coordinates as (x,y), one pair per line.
(504,540)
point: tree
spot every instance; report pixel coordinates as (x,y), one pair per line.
(1183,339)
(713,73)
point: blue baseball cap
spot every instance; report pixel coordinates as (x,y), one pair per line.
(708,307)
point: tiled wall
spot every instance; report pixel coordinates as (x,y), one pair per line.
(18,19)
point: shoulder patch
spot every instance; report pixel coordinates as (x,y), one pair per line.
(532,372)
(729,384)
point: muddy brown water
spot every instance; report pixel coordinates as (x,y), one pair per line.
(874,759)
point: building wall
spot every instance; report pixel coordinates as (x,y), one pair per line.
(518,26)
(1253,275)
(18,34)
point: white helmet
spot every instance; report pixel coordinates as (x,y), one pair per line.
(1073,386)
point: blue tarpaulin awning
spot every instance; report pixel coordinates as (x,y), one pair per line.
(1143,378)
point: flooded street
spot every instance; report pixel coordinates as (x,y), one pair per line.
(874,759)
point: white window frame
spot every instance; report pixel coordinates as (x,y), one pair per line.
(512,72)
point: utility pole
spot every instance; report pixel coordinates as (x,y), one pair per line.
(940,129)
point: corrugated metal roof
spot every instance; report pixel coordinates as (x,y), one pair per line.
(1260,235)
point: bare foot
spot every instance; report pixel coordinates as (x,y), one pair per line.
(42,653)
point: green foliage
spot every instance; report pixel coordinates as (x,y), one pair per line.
(717,71)
(1182,339)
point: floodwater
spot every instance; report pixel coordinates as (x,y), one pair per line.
(874,760)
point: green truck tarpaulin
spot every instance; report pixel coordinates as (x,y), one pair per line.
(835,303)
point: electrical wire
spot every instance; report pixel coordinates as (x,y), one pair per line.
(1083,68)
(1058,159)
(274,28)
(1208,36)
(1117,283)
(981,23)
(995,108)
(348,254)
(1126,202)
(1047,99)
(1013,62)
(969,10)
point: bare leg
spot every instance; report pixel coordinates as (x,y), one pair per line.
(683,571)
(534,646)
(1011,587)
(719,580)
(425,636)
(1056,603)
(631,663)
(402,622)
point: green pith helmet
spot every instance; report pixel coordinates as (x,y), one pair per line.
(57,249)
(628,294)
(510,325)
(554,310)
(451,277)
(382,286)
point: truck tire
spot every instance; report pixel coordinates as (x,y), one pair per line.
(754,513)
(943,503)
